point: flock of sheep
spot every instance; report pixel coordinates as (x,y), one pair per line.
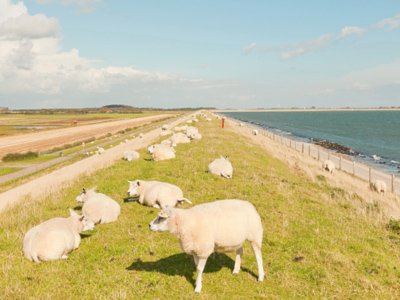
(221,226)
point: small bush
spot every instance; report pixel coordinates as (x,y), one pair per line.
(20,156)
(394,226)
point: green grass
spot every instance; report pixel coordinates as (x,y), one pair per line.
(8,170)
(316,244)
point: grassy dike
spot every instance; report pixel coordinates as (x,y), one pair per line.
(315,243)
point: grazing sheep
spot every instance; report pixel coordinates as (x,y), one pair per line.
(100,150)
(378,186)
(255,131)
(130,155)
(179,138)
(163,153)
(156,194)
(329,166)
(221,167)
(221,226)
(98,207)
(55,238)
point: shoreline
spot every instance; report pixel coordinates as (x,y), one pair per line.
(305,109)
(311,167)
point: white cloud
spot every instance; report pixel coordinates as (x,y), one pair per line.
(351,30)
(250,48)
(305,47)
(389,23)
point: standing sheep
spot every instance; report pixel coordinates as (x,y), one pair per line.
(378,186)
(221,167)
(329,166)
(156,194)
(221,226)
(98,207)
(55,238)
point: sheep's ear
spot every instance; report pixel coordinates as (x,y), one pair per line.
(138,183)
(73,213)
(84,190)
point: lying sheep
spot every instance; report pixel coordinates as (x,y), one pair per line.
(329,166)
(378,186)
(98,207)
(152,148)
(100,150)
(156,194)
(221,226)
(255,131)
(196,136)
(191,132)
(179,138)
(130,155)
(55,238)
(221,167)
(163,153)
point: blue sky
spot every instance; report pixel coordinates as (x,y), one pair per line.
(192,53)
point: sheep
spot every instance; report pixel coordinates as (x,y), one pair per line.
(196,136)
(329,166)
(98,207)
(130,155)
(378,186)
(100,150)
(168,142)
(191,131)
(180,128)
(189,121)
(179,138)
(255,132)
(221,226)
(55,238)
(152,148)
(241,124)
(163,153)
(156,194)
(221,167)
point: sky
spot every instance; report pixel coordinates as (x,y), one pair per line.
(180,53)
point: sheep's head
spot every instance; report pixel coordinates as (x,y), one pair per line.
(84,223)
(82,196)
(134,188)
(161,222)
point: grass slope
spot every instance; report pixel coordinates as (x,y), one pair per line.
(315,244)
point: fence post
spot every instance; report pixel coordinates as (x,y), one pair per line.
(318,154)
(369,175)
(393,183)
(302,147)
(354,168)
(309,149)
(340,163)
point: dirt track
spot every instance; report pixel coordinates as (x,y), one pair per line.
(45,140)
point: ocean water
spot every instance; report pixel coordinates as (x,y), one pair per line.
(374,135)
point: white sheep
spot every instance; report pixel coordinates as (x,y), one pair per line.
(156,194)
(163,153)
(255,131)
(241,124)
(130,155)
(220,226)
(168,142)
(179,138)
(191,131)
(221,167)
(100,150)
(196,136)
(180,128)
(329,166)
(378,186)
(164,145)
(55,238)
(98,207)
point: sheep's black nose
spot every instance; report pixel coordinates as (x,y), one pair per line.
(149,225)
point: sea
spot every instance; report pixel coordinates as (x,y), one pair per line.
(373,135)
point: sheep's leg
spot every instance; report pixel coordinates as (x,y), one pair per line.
(200,267)
(257,253)
(156,205)
(64,257)
(196,259)
(238,260)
